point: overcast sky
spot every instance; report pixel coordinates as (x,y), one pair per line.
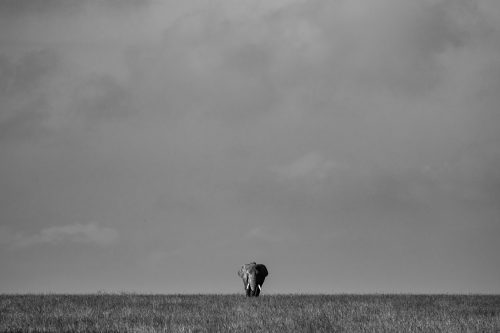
(156,146)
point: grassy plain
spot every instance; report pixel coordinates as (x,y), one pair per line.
(236,313)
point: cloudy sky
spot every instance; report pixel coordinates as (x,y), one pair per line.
(156,146)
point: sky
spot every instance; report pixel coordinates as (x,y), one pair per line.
(351,146)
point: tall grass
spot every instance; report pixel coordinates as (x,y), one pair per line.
(236,313)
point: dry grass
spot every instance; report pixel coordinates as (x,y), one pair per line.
(276,313)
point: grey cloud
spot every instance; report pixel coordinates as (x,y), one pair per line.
(64,7)
(23,123)
(472,175)
(27,73)
(40,95)
(101,97)
(310,166)
(91,233)
(236,70)
(360,82)
(24,97)
(13,7)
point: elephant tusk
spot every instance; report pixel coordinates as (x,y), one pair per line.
(260,288)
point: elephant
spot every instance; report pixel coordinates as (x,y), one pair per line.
(253,276)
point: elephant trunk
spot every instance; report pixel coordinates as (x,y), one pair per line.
(252,281)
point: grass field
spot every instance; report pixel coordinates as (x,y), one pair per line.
(269,313)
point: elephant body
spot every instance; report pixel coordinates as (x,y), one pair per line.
(253,276)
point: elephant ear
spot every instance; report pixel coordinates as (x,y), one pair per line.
(241,272)
(244,270)
(262,270)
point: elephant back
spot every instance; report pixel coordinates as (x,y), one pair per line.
(262,270)
(253,268)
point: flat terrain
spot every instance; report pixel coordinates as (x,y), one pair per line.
(269,313)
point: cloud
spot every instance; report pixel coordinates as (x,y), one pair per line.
(100,97)
(310,166)
(378,86)
(90,233)
(13,7)
(349,59)
(37,7)
(24,101)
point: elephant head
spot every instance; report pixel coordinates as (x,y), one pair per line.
(253,276)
